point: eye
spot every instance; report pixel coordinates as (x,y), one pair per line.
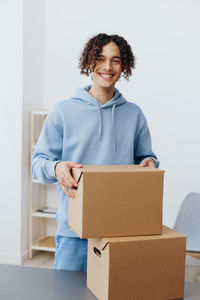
(99,59)
(116,61)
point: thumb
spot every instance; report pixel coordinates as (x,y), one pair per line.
(72,164)
(144,163)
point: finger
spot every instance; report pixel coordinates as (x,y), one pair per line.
(66,191)
(70,195)
(73,182)
(67,183)
(70,181)
(67,179)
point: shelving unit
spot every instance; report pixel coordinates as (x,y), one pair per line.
(38,239)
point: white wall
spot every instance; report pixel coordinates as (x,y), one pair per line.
(33,93)
(165,39)
(11,78)
(21,77)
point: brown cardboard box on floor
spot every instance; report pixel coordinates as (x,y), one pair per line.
(116,200)
(140,267)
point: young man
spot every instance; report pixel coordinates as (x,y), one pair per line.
(95,126)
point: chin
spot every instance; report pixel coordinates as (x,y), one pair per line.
(106,84)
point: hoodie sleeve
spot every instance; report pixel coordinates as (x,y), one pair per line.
(48,149)
(143,145)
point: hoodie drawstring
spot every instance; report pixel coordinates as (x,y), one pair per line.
(100,121)
(114,131)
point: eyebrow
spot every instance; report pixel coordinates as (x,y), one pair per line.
(101,55)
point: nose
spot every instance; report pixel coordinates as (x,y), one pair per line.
(107,65)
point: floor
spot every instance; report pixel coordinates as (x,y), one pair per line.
(46,260)
(192,270)
(41,259)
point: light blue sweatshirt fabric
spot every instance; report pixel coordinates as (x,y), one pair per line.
(83,130)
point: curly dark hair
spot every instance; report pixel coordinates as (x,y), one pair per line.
(93,48)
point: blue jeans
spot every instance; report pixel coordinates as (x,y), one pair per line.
(71,254)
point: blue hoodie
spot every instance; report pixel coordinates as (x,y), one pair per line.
(83,130)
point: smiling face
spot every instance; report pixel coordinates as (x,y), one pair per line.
(108,67)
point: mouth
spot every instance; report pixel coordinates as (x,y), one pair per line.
(106,75)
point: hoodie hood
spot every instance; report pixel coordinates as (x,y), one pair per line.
(82,94)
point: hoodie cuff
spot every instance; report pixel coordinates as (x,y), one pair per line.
(50,169)
(155,161)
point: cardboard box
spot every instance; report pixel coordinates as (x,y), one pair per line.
(137,268)
(116,200)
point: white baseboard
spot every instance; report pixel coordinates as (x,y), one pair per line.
(24,257)
(13,260)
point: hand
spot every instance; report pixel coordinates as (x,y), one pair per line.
(62,172)
(148,162)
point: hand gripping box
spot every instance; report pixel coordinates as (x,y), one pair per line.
(116,200)
(137,268)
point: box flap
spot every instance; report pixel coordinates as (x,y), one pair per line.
(76,173)
(118,168)
(166,233)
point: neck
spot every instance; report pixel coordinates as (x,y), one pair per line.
(102,95)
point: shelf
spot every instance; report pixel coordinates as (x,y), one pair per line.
(36,247)
(46,244)
(37,181)
(40,112)
(193,254)
(39,214)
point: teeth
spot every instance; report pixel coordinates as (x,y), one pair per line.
(106,75)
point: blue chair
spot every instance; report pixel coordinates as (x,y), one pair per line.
(188,221)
